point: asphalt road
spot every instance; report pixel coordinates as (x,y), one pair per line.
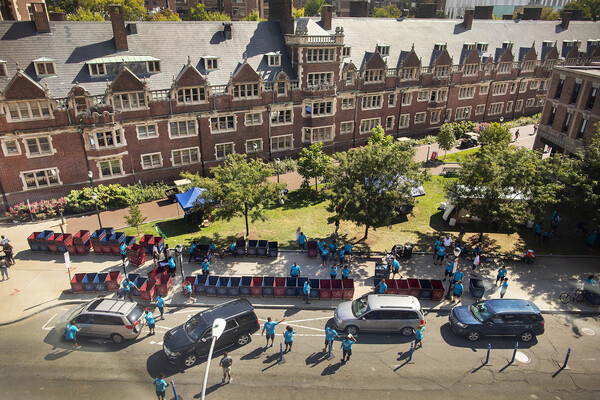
(36,363)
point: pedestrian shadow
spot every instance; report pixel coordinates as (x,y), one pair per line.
(331,369)
(272,359)
(316,358)
(291,311)
(254,354)
(56,354)
(209,390)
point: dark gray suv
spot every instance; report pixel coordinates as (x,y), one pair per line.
(498,317)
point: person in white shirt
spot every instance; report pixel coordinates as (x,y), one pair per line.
(4,240)
(447,241)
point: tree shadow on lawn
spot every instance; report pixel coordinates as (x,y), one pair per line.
(301,198)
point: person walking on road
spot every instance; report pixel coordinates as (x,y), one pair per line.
(188,292)
(345,272)
(288,338)
(395,268)
(419,335)
(476,263)
(301,241)
(295,270)
(71,334)
(337,226)
(330,335)
(324,256)
(269,327)
(441,252)
(4,241)
(458,291)
(160,304)
(205,267)
(192,250)
(306,291)
(504,288)
(347,347)
(501,275)
(226,363)
(150,320)
(333,271)
(517,135)
(4,269)
(160,385)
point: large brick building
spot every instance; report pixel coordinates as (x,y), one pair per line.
(110,98)
(572,109)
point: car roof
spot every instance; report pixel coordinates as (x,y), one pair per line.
(379,301)
(230,308)
(111,306)
(512,306)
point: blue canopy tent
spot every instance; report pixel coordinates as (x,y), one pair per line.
(187,200)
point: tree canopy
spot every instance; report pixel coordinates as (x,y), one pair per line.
(253,16)
(378,136)
(82,14)
(312,8)
(313,162)
(589,8)
(133,10)
(495,134)
(164,15)
(391,11)
(198,13)
(239,187)
(445,138)
(297,12)
(370,184)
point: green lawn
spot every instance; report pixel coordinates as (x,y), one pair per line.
(456,157)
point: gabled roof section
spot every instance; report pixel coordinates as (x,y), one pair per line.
(349,67)
(470,57)
(573,53)
(78,91)
(527,53)
(594,52)
(22,87)
(245,73)
(409,59)
(374,61)
(126,81)
(550,53)
(504,55)
(189,76)
(440,58)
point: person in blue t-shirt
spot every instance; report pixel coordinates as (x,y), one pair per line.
(382,287)
(332,250)
(306,291)
(205,267)
(458,275)
(395,268)
(448,271)
(160,304)
(324,256)
(188,291)
(123,248)
(348,251)
(172,266)
(288,338)
(333,271)
(458,291)
(441,252)
(295,270)
(436,246)
(126,288)
(330,335)
(269,326)
(345,272)
(589,281)
(419,335)
(71,334)
(537,232)
(150,320)
(342,255)
(160,385)
(321,244)
(501,274)
(192,250)
(301,241)
(347,347)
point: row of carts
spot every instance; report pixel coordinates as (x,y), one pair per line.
(258,248)
(427,288)
(146,287)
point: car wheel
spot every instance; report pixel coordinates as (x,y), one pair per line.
(352,329)
(189,360)
(118,339)
(473,336)
(526,336)
(243,339)
(407,331)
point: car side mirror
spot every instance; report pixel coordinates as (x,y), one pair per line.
(362,318)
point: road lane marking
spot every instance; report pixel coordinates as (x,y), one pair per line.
(310,319)
(52,327)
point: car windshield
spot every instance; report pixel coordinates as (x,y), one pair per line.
(195,327)
(480,311)
(360,306)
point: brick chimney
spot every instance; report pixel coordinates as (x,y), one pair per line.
(40,17)
(566,19)
(118,24)
(468,21)
(326,13)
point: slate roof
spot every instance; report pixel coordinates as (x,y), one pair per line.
(72,44)
(363,34)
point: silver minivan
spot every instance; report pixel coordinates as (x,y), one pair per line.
(379,313)
(115,319)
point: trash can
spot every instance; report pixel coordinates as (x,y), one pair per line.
(382,271)
(96,237)
(408,249)
(392,286)
(324,288)
(261,248)
(84,248)
(191,280)
(348,286)
(52,244)
(148,291)
(88,282)
(233,288)
(437,289)
(147,242)
(70,247)
(246,286)
(200,284)
(252,249)
(426,289)
(222,285)
(256,287)
(414,288)
(136,254)
(291,286)
(313,249)
(155,273)
(476,288)
(315,288)
(64,240)
(77,283)
(592,298)
(268,286)
(34,242)
(113,281)
(273,250)
(100,282)
(398,253)
(202,252)
(211,285)
(163,284)
(336,289)
(279,290)
(402,286)
(43,239)
(115,243)
(300,287)
(133,277)
(104,246)
(240,247)
(81,237)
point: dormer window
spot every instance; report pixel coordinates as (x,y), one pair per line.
(211,63)
(469,46)
(44,66)
(507,45)
(383,49)
(2,68)
(97,69)
(442,71)
(346,51)
(504,68)
(482,46)
(528,66)
(153,66)
(274,59)
(440,46)
(470,69)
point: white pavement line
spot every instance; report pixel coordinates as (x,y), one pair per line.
(310,319)
(33,280)
(308,327)
(64,309)
(48,329)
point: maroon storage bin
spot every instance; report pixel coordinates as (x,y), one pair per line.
(188,279)
(402,286)
(155,273)
(336,289)
(113,281)
(414,288)
(256,286)
(147,242)
(163,284)
(81,237)
(34,243)
(392,286)
(437,289)
(348,286)
(84,248)
(52,242)
(313,249)
(325,289)
(77,283)
(148,291)
(279,290)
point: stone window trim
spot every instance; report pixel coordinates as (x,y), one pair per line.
(404,121)
(182,150)
(423,95)
(50,152)
(320,55)
(274,59)
(114,134)
(147,128)
(484,89)
(253,118)
(346,127)
(319,108)
(129,101)
(28,110)
(319,134)
(420,117)
(178,135)
(45,68)
(278,114)
(224,123)
(222,157)
(389,123)
(466,92)
(392,99)
(518,105)
(480,109)
(462,113)
(281,141)
(496,108)
(367,125)
(435,115)
(373,76)
(246,90)
(5,147)
(35,172)
(3,68)
(191,95)
(151,156)
(372,101)
(109,160)
(250,145)
(153,67)
(97,69)
(347,103)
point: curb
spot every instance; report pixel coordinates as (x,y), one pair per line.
(286,307)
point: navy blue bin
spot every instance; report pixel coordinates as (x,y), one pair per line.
(252,249)
(100,282)
(88,282)
(291,285)
(315,292)
(138,282)
(300,287)
(233,288)
(426,289)
(476,288)
(200,284)
(268,286)
(222,285)
(240,247)
(43,237)
(245,284)
(261,248)
(211,285)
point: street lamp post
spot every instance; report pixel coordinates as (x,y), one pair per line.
(278,161)
(94,196)
(217,329)
(179,251)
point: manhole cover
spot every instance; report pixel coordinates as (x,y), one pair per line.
(522,357)
(588,331)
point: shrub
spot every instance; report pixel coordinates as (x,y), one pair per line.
(40,210)
(285,165)
(143,193)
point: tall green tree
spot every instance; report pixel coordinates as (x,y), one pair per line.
(505,186)
(369,183)
(445,138)
(164,15)
(297,12)
(391,11)
(135,217)
(133,10)
(589,8)
(313,162)
(83,14)
(253,16)
(378,136)
(495,134)
(239,188)
(312,8)
(198,13)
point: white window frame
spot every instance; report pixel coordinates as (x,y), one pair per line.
(189,150)
(153,67)
(50,152)
(423,95)
(442,71)
(224,156)
(349,103)
(420,117)
(274,60)
(185,95)
(42,68)
(496,108)
(530,103)
(372,102)
(499,88)
(470,69)
(346,51)
(251,142)
(438,95)
(349,78)
(216,126)
(389,123)
(484,89)
(246,90)
(367,125)
(534,85)
(373,76)
(528,66)
(523,87)
(435,116)
(151,158)
(178,135)
(3,69)
(284,139)
(316,79)
(115,135)
(346,127)
(404,121)
(323,108)
(406,98)
(250,118)
(410,73)
(519,105)
(211,63)
(5,147)
(145,127)
(383,49)
(282,114)
(320,55)
(97,69)
(110,161)
(392,99)
(138,97)
(34,172)
(503,68)
(466,92)
(509,105)
(462,113)
(480,109)
(31,107)
(319,134)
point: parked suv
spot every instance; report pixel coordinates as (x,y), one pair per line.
(379,313)
(186,343)
(496,317)
(114,319)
